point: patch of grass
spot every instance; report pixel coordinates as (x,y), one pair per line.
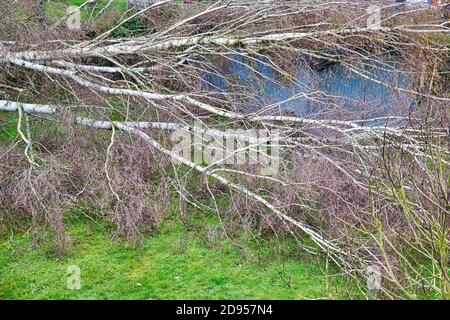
(110,17)
(117,110)
(8,127)
(58,8)
(172,264)
(129,28)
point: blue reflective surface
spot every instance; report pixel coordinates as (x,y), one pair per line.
(331,90)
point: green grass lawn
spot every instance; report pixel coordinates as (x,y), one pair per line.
(171,264)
